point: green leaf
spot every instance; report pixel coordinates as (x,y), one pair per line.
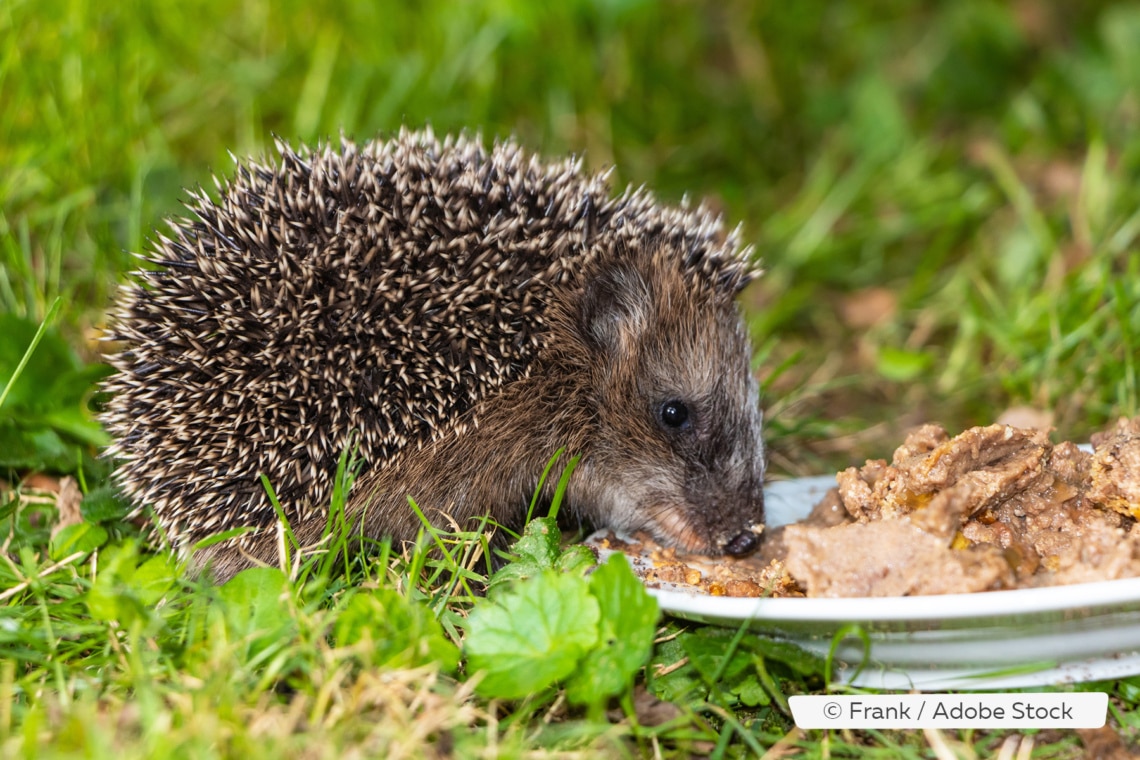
(711,642)
(795,657)
(154,578)
(402,633)
(104,600)
(626,628)
(751,692)
(252,612)
(576,559)
(126,590)
(681,682)
(253,601)
(103,504)
(34,449)
(531,636)
(1129,689)
(751,670)
(538,549)
(540,544)
(707,651)
(80,537)
(75,423)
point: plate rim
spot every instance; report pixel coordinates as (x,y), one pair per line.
(1116,594)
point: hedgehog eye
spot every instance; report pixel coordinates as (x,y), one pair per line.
(674,414)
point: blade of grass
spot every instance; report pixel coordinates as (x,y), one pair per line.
(51,312)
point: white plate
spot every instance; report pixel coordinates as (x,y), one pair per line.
(988,640)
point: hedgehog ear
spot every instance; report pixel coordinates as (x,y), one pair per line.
(616,306)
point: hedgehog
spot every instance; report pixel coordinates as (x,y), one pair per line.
(459,315)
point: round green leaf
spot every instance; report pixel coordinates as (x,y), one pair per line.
(532,636)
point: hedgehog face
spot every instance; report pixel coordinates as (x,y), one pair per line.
(680,452)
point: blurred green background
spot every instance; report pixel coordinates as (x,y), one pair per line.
(945,194)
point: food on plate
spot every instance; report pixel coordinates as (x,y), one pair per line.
(716,576)
(995,507)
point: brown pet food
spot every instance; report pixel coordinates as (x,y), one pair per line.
(995,507)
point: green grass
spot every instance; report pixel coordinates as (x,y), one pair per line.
(945,195)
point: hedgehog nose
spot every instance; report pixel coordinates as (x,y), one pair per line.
(742,543)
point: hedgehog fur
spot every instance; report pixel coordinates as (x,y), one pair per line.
(388,293)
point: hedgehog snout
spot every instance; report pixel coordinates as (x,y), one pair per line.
(747,540)
(743,543)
